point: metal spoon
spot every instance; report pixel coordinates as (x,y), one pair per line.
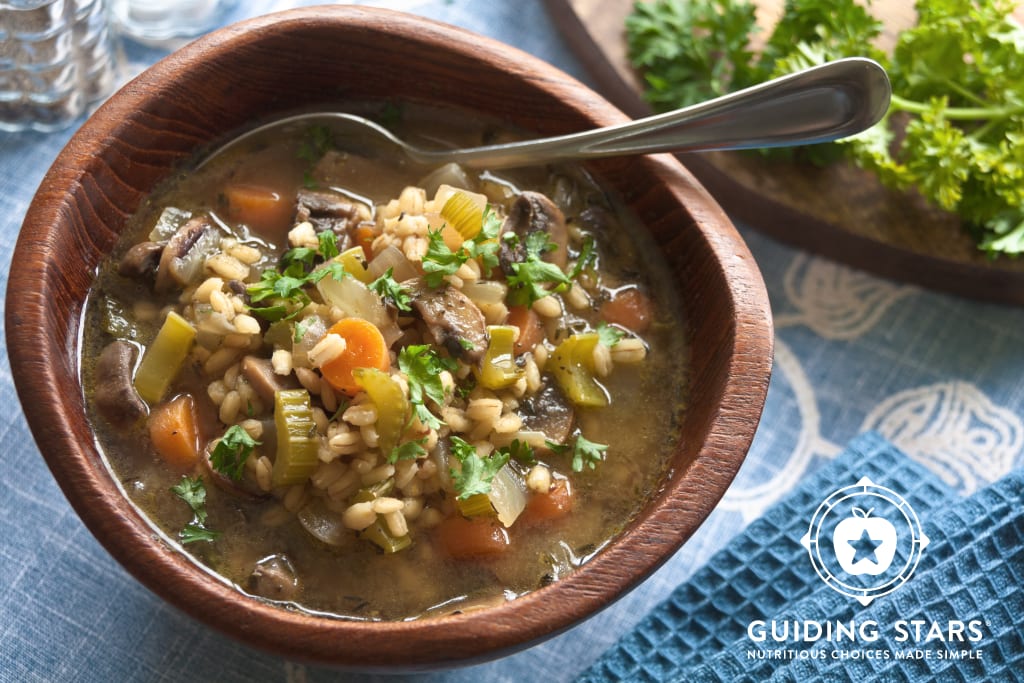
(819,104)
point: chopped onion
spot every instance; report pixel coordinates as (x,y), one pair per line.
(393,258)
(485,292)
(323,524)
(170,221)
(450,174)
(314,330)
(357,301)
(508,495)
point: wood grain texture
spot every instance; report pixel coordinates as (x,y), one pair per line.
(265,67)
(840,212)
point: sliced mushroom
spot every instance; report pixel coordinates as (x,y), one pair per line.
(548,411)
(532,212)
(182,259)
(116,397)
(141,261)
(327,211)
(451,317)
(274,578)
(261,376)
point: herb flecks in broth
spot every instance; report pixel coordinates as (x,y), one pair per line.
(399,387)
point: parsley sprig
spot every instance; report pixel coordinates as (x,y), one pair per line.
(529,276)
(193,492)
(422,366)
(585,453)
(440,261)
(476,472)
(284,288)
(391,290)
(955,125)
(234,448)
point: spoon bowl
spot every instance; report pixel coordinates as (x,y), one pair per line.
(819,104)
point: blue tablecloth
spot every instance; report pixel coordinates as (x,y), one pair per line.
(936,375)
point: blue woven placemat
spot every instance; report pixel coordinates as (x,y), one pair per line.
(971,571)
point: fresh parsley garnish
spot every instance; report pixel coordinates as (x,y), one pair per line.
(529,275)
(520,451)
(476,473)
(955,123)
(440,261)
(193,492)
(484,245)
(410,450)
(392,291)
(234,448)
(609,335)
(284,288)
(328,244)
(587,256)
(422,367)
(585,453)
(191,533)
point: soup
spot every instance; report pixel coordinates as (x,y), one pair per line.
(359,386)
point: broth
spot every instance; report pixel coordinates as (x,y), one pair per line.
(577,470)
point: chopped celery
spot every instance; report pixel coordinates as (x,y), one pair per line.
(163,358)
(464,211)
(506,499)
(390,402)
(354,262)
(374,491)
(572,364)
(296,458)
(498,367)
(379,534)
(477,505)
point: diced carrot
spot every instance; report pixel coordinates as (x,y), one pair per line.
(262,208)
(531,330)
(172,429)
(363,236)
(468,539)
(554,504)
(630,308)
(364,348)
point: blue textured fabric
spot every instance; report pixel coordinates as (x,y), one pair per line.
(972,569)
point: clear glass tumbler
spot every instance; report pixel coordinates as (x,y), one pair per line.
(159,23)
(57,58)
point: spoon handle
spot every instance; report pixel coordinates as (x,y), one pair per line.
(819,104)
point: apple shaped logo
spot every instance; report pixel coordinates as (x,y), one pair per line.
(876,541)
(864,544)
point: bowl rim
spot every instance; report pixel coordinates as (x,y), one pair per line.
(180,581)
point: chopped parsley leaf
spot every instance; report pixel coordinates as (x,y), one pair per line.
(584,452)
(422,367)
(234,448)
(609,335)
(440,261)
(476,473)
(410,450)
(192,533)
(193,492)
(392,291)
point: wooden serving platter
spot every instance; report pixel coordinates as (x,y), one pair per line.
(840,212)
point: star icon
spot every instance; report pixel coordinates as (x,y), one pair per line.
(864,548)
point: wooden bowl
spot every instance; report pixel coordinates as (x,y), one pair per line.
(321,56)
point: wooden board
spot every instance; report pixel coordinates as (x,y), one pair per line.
(840,212)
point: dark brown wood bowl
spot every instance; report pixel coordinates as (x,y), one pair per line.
(321,57)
